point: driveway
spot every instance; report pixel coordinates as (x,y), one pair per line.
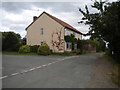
(52,72)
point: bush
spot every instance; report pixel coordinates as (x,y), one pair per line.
(10,41)
(77,51)
(43,50)
(34,48)
(51,51)
(62,53)
(24,49)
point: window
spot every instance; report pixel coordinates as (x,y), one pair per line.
(74,33)
(75,46)
(42,43)
(41,31)
(69,45)
(67,32)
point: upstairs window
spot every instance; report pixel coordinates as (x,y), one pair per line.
(41,31)
(74,33)
(67,32)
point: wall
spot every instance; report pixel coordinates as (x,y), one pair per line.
(77,35)
(33,32)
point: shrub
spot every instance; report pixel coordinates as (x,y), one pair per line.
(77,52)
(51,51)
(24,49)
(34,48)
(66,53)
(43,50)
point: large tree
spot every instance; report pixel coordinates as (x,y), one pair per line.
(10,41)
(105,24)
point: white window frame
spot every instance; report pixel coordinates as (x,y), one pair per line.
(42,31)
(75,46)
(74,33)
(42,42)
(67,32)
(68,45)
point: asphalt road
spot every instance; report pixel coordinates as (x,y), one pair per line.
(48,71)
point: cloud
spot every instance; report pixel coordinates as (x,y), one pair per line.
(15,7)
(16,16)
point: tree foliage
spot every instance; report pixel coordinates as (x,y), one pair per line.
(104,24)
(24,49)
(10,41)
(71,38)
(44,50)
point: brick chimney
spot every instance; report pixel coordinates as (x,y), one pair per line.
(34,18)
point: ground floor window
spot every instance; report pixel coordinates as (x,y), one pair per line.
(41,43)
(75,46)
(68,45)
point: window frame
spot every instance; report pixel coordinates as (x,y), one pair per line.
(75,46)
(43,42)
(41,31)
(74,33)
(68,45)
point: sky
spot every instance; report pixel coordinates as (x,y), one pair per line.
(16,16)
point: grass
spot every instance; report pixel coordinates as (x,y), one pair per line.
(52,54)
(63,54)
(16,53)
(34,54)
(116,69)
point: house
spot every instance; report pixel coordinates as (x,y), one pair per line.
(50,30)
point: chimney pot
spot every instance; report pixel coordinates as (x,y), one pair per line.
(34,18)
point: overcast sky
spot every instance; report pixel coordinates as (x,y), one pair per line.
(16,16)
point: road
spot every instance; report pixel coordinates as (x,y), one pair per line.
(50,71)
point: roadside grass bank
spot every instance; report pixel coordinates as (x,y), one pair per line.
(35,54)
(116,69)
(52,54)
(17,53)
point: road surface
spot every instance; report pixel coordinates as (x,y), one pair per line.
(21,71)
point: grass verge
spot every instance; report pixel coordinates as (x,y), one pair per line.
(16,53)
(116,69)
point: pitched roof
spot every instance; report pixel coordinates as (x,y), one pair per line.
(59,21)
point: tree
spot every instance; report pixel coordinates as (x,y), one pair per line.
(71,38)
(23,41)
(10,41)
(105,24)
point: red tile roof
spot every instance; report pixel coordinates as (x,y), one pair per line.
(59,21)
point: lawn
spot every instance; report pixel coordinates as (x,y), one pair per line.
(16,53)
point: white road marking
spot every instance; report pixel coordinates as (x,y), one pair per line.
(39,67)
(44,65)
(14,74)
(53,62)
(3,77)
(31,69)
(49,63)
(24,71)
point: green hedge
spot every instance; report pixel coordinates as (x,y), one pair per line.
(34,48)
(24,49)
(43,50)
(77,51)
